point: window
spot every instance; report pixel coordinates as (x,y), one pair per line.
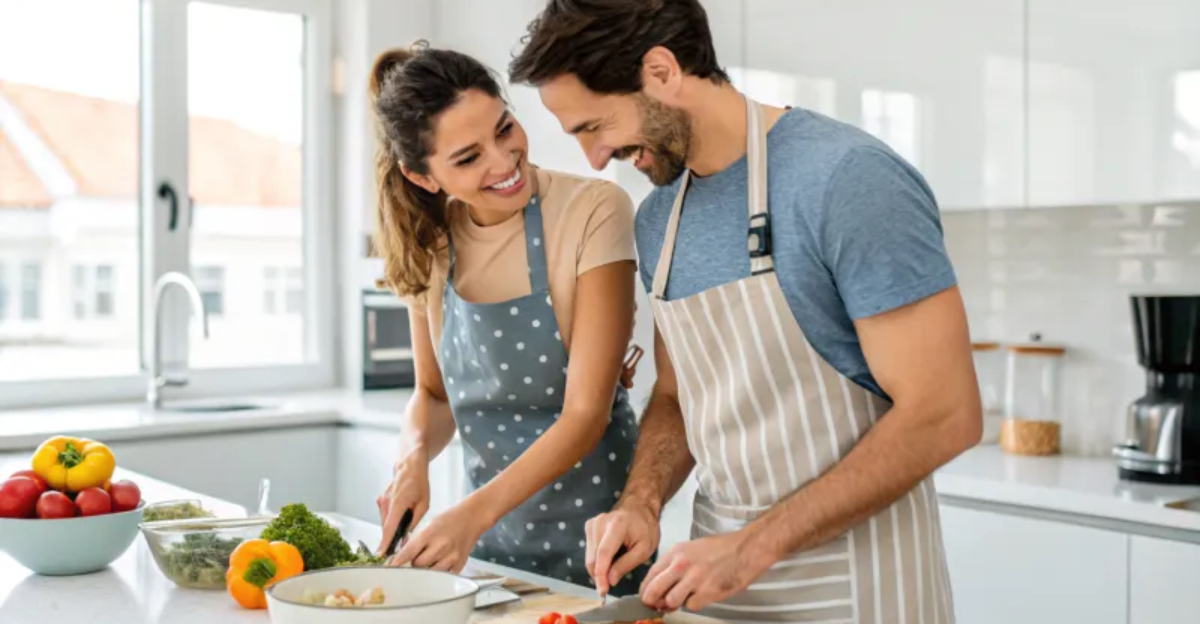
(892,117)
(92,292)
(104,291)
(779,89)
(3,292)
(210,281)
(283,291)
(31,292)
(107,131)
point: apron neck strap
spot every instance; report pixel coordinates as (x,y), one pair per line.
(759,236)
(535,247)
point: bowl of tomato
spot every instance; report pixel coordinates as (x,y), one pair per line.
(58,533)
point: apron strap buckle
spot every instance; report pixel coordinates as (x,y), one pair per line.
(758,242)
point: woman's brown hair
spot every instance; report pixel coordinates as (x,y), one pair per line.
(409,89)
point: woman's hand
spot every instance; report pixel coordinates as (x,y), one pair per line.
(409,489)
(447,542)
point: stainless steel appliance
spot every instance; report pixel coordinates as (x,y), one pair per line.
(387,342)
(1162,428)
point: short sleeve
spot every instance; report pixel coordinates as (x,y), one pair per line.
(881,236)
(608,235)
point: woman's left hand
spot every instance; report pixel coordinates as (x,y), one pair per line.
(446,543)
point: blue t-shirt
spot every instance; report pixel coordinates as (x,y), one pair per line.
(855,233)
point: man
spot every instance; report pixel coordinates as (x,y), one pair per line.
(811,346)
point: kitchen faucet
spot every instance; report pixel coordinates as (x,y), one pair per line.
(158,379)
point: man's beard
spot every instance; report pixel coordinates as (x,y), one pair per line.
(667,134)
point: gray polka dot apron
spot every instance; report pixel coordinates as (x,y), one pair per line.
(505,372)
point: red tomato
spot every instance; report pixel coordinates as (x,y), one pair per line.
(29,474)
(54,504)
(125,495)
(18,497)
(550,618)
(568,619)
(93,501)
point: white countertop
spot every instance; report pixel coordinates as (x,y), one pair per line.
(1081,486)
(27,428)
(133,590)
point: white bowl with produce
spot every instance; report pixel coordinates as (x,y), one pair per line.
(372,595)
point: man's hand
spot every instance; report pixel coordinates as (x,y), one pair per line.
(698,573)
(633,527)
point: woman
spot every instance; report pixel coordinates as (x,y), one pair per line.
(508,268)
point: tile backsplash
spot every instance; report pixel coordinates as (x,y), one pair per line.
(1067,274)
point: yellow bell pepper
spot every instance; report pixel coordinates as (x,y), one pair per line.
(73,464)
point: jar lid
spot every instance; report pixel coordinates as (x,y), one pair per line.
(1036,349)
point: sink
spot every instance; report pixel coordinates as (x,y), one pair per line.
(214,407)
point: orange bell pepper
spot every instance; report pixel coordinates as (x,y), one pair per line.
(73,464)
(255,565)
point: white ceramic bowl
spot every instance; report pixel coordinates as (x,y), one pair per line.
(411,596)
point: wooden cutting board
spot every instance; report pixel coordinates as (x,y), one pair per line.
(531,608)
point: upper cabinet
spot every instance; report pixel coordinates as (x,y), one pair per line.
(942,85)
(999,103)
(1114,101)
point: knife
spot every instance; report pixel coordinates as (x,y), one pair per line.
(405,520)
(631,609)
(627,609)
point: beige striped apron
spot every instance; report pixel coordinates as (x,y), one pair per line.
(765,415)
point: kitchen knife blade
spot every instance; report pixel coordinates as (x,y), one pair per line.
(630,609)
(627,609)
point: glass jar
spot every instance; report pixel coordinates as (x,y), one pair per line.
(1032,423)
(990,372)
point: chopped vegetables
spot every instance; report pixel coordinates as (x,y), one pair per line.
(255,565)
(362,557)
(200,560)
(176,511)
(342,598)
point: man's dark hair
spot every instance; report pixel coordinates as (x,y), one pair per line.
(602,42)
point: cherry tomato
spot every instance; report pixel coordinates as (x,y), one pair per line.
(568,619)
(550,618)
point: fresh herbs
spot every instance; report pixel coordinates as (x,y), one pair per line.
(200,560)
(179,511)
(320,544)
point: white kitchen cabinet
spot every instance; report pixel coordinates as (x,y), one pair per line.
(1114,101)
(300,462)
(365,459)
(1006,569)
(1162,587)
(941,85)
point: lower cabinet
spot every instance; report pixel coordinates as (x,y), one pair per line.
(1006,569)
(365,459)
(1163,581)
(300,462)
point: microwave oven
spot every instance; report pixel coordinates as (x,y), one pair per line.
(387,342)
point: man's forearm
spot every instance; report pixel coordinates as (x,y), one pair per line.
(899,452)
(662,460)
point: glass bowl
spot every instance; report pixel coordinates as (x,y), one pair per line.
(195,553)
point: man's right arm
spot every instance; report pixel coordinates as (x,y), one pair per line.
(661,463)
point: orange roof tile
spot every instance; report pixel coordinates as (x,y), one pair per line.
(96,140)
(19,187)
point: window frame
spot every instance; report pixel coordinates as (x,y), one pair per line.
(163,157)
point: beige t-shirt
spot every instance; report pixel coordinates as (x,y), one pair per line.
(586,223)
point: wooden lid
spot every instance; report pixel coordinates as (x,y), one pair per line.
(985,346)
(1036,349)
